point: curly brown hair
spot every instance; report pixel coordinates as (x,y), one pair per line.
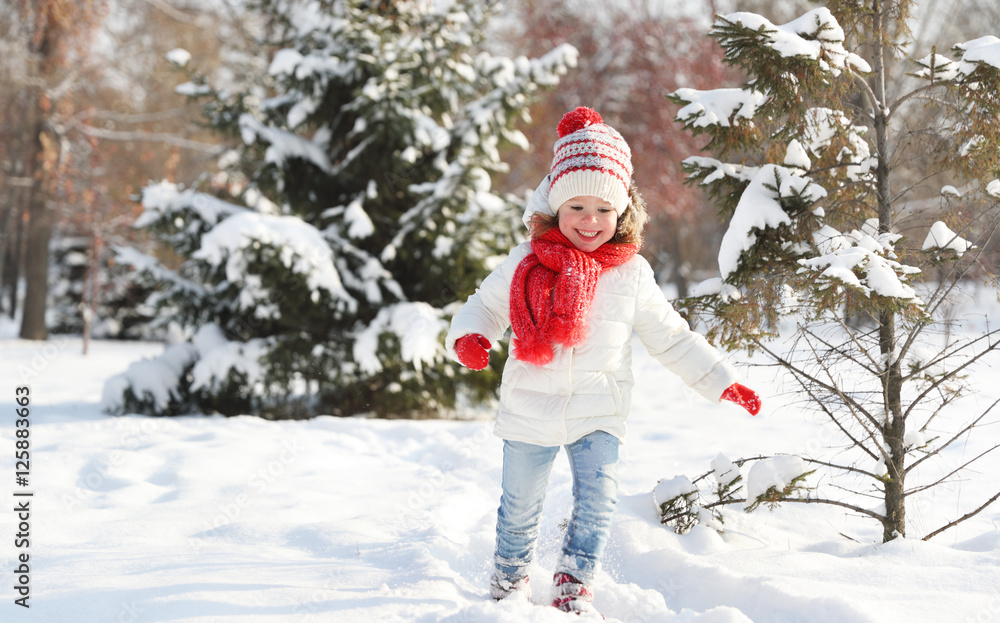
(630,224)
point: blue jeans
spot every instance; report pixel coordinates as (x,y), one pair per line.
(593,460)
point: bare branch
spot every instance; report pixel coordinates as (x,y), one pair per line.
(846,468)
(857,509)
(157,137)
(949,474)
(954,372)
(133,118)
(968,515)
(869,94)
(957,436)
(919,91)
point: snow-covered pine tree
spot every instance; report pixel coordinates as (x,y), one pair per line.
(363,212)
(821,158)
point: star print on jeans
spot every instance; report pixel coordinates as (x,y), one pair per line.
(585,444)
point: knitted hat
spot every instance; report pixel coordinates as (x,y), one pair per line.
(590,158)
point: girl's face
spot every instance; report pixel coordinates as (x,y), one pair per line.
(587,221)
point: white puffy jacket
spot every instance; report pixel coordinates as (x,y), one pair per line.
(589,387)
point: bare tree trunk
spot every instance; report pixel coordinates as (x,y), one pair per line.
(19,185)
(36,269)
(36,256)
(894,427)
(894,432)
(38,168)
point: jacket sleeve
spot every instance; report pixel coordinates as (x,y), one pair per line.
(487,312)
(669,339)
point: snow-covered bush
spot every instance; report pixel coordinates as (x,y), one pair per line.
(358,210)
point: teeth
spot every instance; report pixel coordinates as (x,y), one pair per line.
(587,234)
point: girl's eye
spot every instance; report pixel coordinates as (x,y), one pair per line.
(605,210)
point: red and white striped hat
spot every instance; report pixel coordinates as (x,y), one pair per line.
(590,158)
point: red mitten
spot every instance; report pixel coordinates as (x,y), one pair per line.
(473,351)
(743,396)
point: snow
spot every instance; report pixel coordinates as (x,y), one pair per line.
(982,50)
(418,327)
(360,224)
(796,156)
(865,251)
(192,89)
(759,208)
(285,62)
(724,470)
(816,34)
(671,488)
(164,200)
(217,357)
(823,125)
(993,189)
(718,106)
(944,68)
(156,378)
(202,519)
(284,145)
(179,57)
(940,236)
(777,472)
(715,285)
(721,169)
(302,249)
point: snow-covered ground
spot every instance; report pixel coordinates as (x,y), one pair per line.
(212,519)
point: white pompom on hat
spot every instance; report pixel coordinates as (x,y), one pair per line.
(590,158)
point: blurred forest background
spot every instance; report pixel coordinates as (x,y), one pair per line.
(90,113)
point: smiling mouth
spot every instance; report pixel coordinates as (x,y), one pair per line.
(588,234)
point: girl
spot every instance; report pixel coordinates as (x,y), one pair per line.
(573,296)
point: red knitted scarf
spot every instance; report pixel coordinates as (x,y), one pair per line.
(552,291)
